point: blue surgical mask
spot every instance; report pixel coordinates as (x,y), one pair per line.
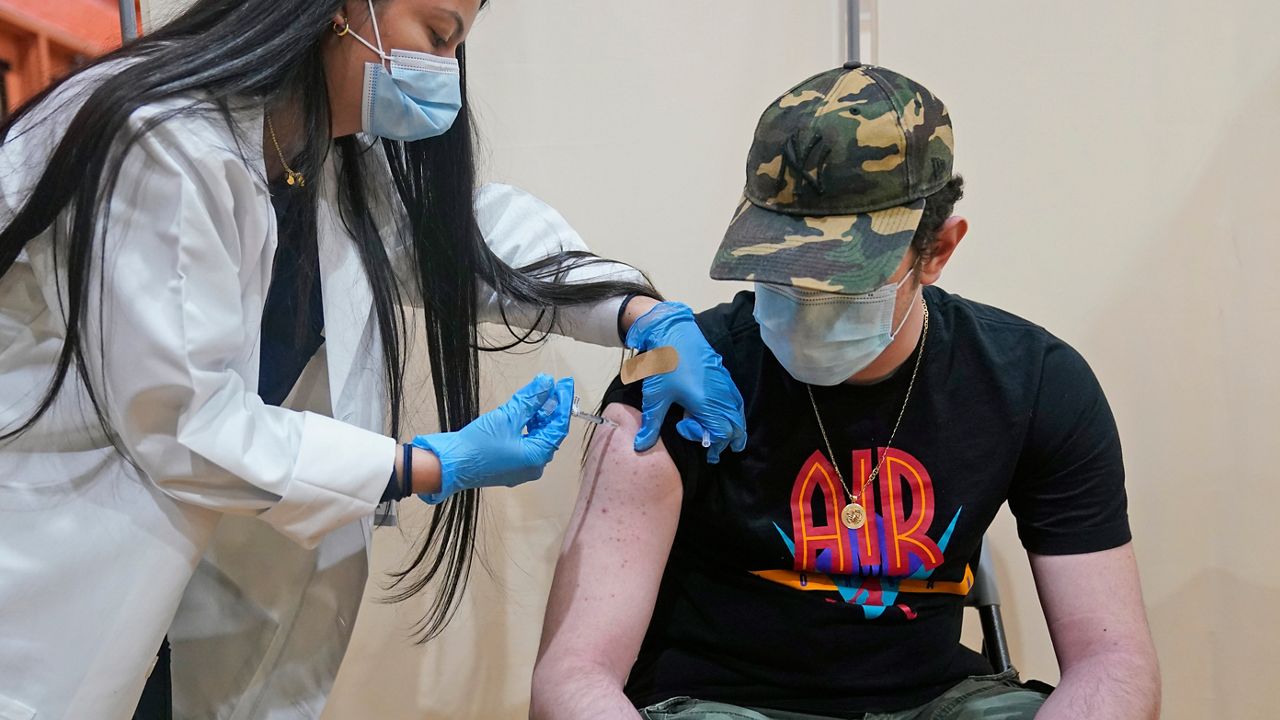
(418,97)
(822,338)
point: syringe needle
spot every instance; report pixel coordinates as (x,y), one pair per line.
(593,419)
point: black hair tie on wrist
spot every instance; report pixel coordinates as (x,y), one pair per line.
(622,310)
(400,484)
(406,480)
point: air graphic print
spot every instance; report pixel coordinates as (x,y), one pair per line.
(889,555)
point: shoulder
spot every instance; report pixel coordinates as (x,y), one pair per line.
(185,141)
(190,128)
(1009,346)
(985,328)
(499,202)
(195,133)
(191,120)
(971,315)
(498,196)
(727,325)
(724,326)
(520,227)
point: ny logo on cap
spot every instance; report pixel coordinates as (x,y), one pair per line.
(798,160)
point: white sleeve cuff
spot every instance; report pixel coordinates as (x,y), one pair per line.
(339,476)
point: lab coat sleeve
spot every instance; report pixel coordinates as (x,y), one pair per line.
(173,328)
(521,229)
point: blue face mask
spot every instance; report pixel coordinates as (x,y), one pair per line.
(825,339)
(418,98)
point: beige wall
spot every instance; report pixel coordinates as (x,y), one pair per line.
(1121,161)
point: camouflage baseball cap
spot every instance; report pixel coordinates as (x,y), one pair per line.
(836,181)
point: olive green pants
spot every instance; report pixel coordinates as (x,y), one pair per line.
(987,697)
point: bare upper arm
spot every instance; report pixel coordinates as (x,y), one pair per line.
(614,552)
(1093,605)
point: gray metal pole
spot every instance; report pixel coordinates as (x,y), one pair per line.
(129,21)
(855,30)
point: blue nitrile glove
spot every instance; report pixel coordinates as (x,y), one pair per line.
(700,384)
(494,449)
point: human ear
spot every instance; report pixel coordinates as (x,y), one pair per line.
(944,244)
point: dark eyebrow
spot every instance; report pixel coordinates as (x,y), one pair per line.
(457,24)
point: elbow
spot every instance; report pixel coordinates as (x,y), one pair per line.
(550,678)
(1138,674)
(1144,671)
(560,682)
(1125,683)
(542,697)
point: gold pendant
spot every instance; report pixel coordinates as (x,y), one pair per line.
(853,516)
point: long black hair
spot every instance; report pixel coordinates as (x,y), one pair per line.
(225,56)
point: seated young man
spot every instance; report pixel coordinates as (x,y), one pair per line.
(821,573)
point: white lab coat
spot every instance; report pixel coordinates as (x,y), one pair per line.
(265,511)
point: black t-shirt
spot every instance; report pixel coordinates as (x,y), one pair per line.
(768,600)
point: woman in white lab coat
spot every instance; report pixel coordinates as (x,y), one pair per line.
(232,211)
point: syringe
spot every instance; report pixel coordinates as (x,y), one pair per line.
(576,411)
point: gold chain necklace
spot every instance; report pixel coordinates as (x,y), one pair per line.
(291,176)
(854,515)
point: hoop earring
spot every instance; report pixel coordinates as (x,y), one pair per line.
(343,29)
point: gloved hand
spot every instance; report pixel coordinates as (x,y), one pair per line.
(494,449)
(699,384)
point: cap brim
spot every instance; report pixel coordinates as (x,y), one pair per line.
(841,254)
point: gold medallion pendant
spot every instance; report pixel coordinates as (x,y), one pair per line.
(853,516)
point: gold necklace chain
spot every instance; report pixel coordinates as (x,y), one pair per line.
(291,176)
(854,515)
